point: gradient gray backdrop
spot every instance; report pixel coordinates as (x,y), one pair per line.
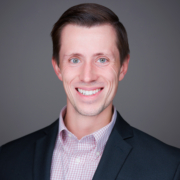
(31,95)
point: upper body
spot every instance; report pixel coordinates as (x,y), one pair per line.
(91,57)
(129,154)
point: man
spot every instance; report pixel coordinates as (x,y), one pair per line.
(90,140)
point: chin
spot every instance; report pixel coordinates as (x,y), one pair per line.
(89,111)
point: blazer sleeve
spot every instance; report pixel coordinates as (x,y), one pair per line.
(177,173)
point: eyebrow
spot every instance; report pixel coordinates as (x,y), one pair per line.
(73,54)
(101,54)
(80,55)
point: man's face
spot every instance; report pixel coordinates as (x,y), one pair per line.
(89,67)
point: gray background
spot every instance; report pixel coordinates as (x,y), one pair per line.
(31,95)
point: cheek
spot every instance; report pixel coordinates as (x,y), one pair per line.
(113,80)
(110,74)
(68,74)
(115,73)
(69,79)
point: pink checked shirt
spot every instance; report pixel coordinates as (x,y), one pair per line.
(75,159)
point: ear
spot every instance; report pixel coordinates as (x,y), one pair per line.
(56,69)
(124,67)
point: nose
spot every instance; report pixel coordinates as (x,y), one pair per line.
(88,73)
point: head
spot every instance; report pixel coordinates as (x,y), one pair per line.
(89,15)
(90,56)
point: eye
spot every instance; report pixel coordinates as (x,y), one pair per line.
(102,60)
(74,60)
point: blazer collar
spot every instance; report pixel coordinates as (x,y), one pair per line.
(116,151)
(43,152)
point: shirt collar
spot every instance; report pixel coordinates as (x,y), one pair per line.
(61,120)
(101,136)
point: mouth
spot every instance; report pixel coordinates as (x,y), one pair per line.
(89,92)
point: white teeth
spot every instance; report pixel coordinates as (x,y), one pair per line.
(88,93)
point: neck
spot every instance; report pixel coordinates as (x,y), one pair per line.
(81,125)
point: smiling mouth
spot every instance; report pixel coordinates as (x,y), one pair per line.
(88,93)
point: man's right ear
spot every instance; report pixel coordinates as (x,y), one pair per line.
(56,69)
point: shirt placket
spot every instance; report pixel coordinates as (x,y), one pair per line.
(76,164)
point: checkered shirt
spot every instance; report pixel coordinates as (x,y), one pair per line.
(75,159)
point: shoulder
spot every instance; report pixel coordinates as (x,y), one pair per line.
(26,141)
(143,143)
(152,149)
(147,152)
(18,156)
(151,142)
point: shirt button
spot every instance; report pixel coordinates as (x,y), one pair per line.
(69,135)
(77,160)
(97,153)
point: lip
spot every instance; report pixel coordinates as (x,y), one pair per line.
(90,96)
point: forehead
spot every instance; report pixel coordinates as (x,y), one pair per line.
(81,39)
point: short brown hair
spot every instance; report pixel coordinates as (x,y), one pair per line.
(90,14)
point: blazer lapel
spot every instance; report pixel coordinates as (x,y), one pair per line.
(43,153)
(116,151)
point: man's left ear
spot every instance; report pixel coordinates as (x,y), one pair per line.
(124,67)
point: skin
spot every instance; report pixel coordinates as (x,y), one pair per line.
(89,60)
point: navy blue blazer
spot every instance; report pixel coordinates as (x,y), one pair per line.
(129,154)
